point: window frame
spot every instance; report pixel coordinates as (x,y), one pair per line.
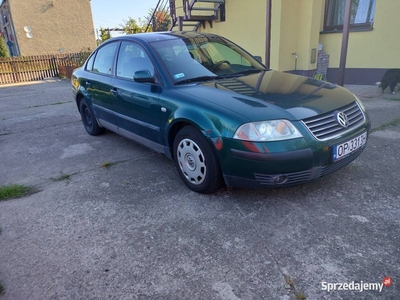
(112,69)
(367,26)
(90,61)
(140,48)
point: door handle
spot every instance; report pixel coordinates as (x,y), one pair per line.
(114,91)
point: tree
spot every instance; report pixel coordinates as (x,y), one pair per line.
(159,20)
(104,35)
(132,26)
(3,48)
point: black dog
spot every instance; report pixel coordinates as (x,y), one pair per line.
(391,78)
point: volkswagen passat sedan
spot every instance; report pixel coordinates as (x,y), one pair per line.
(220,114)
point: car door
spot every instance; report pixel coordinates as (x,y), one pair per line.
(100,69)
(136,103)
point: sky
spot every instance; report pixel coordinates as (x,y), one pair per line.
(110,14)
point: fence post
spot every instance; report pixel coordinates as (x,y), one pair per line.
(15,71)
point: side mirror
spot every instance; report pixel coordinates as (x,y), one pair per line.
(143,76)
(258,58)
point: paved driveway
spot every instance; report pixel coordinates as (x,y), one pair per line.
(112,220)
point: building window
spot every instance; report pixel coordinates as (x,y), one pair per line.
(362,14)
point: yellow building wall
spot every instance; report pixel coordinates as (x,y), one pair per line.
(295,29)
(245,25)
(378,48)
(55,25)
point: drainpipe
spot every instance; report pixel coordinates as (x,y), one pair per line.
(152,16)
(13,32)
(180,23)
(268,34)
(345,42)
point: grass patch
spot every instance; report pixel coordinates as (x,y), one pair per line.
(391,98)
(298,295)
(56,103)
(14,191)
(62,177)
(394,122)
(5,133)
(289,281)
(107,164)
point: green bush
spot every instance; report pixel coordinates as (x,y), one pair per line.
(3,48)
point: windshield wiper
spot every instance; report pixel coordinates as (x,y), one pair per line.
(198,79)
(210,78)
(246,72)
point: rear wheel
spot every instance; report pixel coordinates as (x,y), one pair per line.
(89,120)
(196,162)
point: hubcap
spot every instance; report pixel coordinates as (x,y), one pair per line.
(191,161)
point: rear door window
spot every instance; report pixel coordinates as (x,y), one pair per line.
(104,60)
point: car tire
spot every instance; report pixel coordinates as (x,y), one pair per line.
(89,120)
(196,161)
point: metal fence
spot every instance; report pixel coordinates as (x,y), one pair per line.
(38,67)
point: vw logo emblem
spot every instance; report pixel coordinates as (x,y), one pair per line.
(342,119)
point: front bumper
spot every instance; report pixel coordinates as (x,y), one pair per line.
(284,163)
(289,178)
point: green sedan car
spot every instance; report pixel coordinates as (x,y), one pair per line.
(218,112)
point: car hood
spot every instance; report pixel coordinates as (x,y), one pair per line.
(262,95)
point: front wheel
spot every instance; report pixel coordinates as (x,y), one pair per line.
(196,162)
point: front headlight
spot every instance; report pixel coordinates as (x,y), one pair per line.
(275,130)
(360,103)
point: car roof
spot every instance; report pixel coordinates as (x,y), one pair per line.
(165,35)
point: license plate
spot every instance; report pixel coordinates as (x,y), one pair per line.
(344,149)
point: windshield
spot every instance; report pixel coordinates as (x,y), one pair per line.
(204,57)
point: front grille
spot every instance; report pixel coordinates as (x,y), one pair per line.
(326,126)
(325,170)
(292,178)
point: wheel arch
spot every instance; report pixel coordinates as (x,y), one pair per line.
(78,100)
(196,160)
(80,94)
(209,125)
